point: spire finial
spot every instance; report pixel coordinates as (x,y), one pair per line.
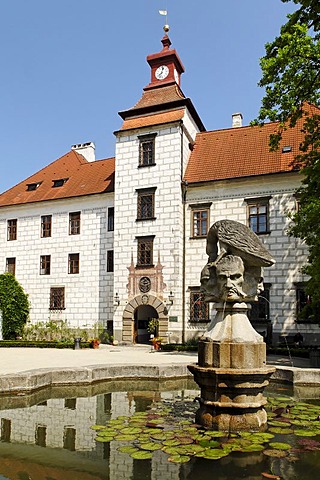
(166,27)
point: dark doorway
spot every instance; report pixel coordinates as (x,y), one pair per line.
(142,317)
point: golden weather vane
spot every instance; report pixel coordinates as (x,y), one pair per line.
(166,27)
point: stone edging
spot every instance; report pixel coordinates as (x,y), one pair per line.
(32,380)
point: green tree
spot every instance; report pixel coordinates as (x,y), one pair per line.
(14,306)
(291,78)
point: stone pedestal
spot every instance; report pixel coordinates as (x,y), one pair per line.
(232,372)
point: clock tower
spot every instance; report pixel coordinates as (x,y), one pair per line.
(152,150)
(166,66)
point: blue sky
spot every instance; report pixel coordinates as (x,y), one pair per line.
(69,66)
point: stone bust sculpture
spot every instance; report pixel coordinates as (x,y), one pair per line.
(233,274)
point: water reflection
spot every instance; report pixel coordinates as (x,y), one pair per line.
(47,436)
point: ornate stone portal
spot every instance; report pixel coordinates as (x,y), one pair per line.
(231,369)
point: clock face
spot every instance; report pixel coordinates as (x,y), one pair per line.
(162,72)
(176,76)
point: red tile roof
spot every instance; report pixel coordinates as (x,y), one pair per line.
(241,152)
(159,96)
(84,178)
(155,119)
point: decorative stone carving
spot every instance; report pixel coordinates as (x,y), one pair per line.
(231,370)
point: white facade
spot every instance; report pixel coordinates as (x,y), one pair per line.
(88,294)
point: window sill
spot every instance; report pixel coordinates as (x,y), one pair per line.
(144,266)
(198,237)
(145,219)
(148,165)
(262,233)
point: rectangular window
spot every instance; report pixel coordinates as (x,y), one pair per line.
(74,223)
(46,223)
(57,295)
(12,229)
(41,436)
(74,263)
(147,150)
(11,265)
(145,251)
(199,310)
(305,312)
(45,261)
(200,223)
(110,261)
(110,219)
(258,215)
(146,198)
(5,430)
(260,311)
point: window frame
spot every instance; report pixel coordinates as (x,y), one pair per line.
(311,314)
(110,261)
(195,295)
(45,265)
(110,225)
(73,263)
(257,308)
(199,208)
(12,229)
(74,223)
(53,296)
(9,264)
(259,203)
(145,246)
(147,157)
(142,194)
(46,226)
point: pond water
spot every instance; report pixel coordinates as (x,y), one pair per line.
(49,436)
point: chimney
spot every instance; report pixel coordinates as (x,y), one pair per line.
(85,149)
(237,120)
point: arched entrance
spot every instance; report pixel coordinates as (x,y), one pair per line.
(138,313)
(142,316)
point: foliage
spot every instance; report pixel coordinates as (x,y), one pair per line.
(40,344)
(53,331)
(153,325)
(14,306)
(291,77)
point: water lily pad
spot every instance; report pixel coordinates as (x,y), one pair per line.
(159,436)
(131,430)
(170,450)
(277,423)
(124,438)
(275,453)
(255,447)
(281,431)
(179,459)
(209,443)
(214,453)
(280,446)
(215,433)
(98,427)
(171,442)
(306,433)
(184,440)
(128,449)
(141,455)
(104,439)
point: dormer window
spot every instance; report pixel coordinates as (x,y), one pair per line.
(33,186)
(286,149)
(60,182)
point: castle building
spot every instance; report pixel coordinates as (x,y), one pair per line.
(122,240)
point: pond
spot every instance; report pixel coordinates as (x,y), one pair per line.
(134,430)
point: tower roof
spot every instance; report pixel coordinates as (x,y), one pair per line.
(163,94)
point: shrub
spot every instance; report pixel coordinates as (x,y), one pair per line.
(14,306)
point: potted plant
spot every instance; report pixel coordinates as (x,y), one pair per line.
(153,326)
(156,342)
